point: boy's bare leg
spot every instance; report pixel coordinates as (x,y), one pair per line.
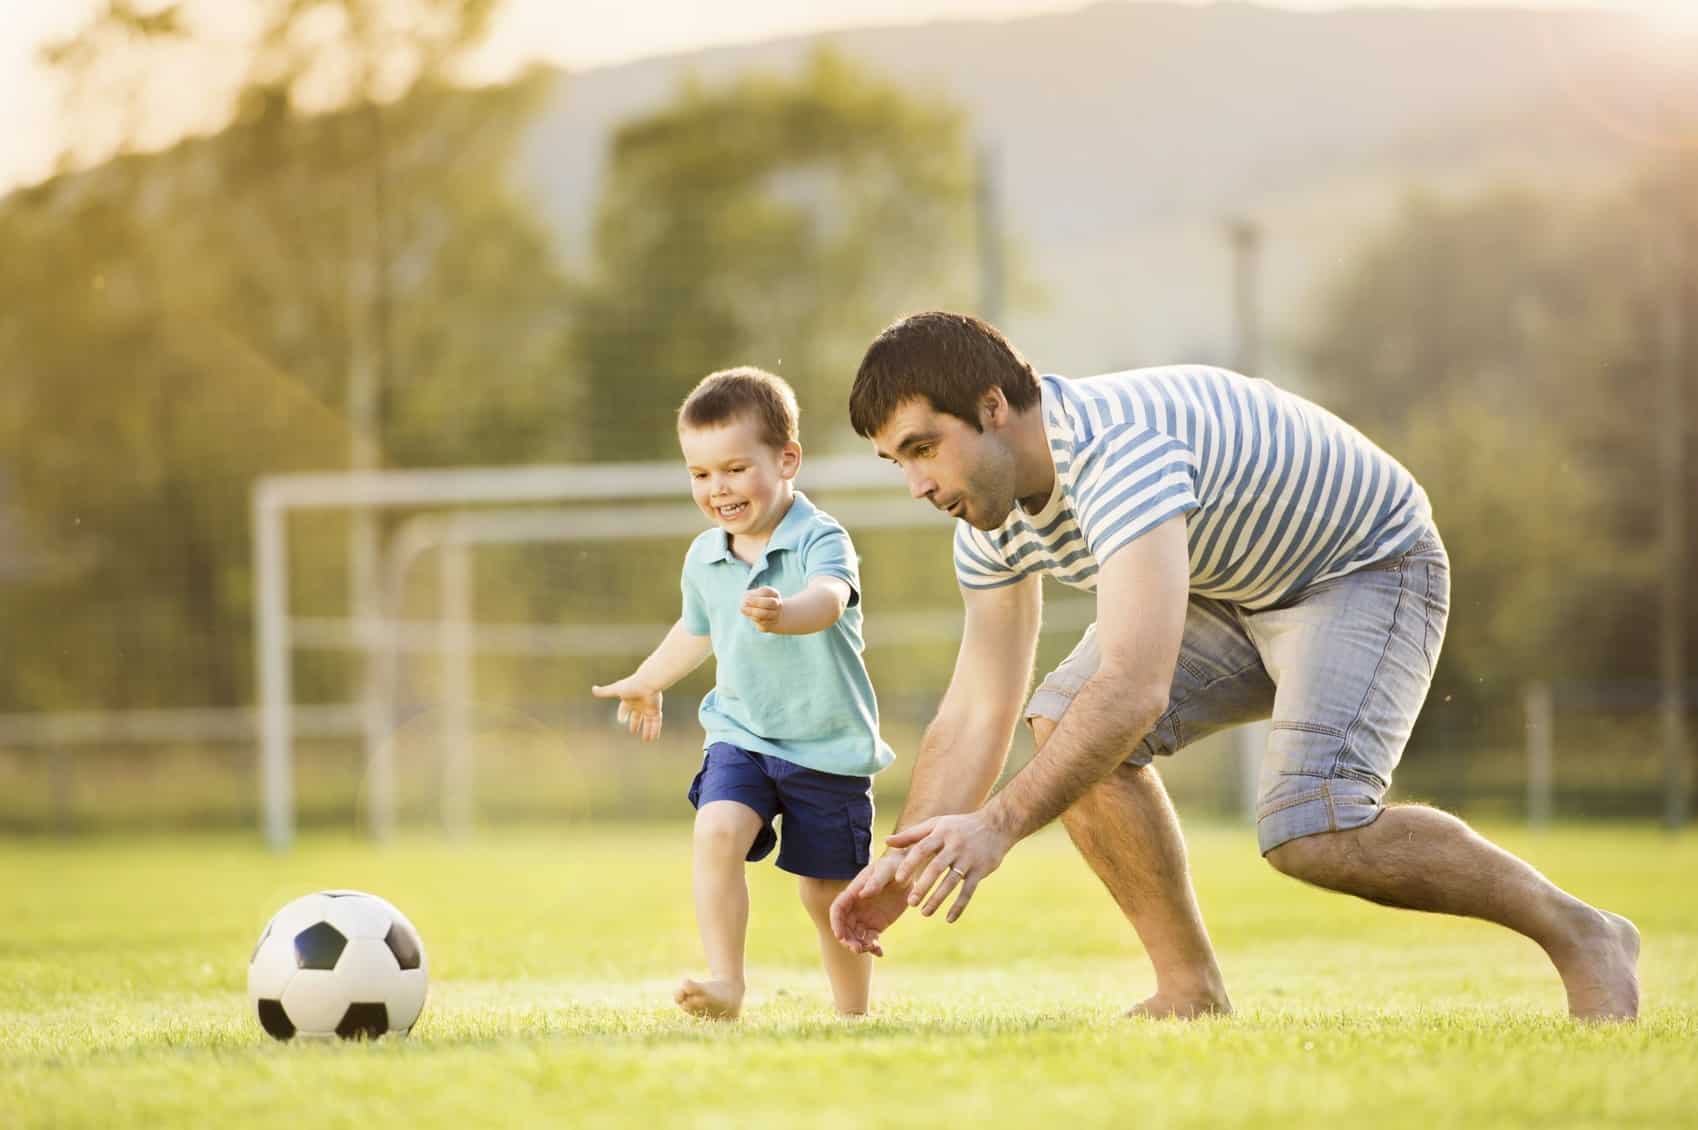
(725,830)
(1422,859)
(850,974)
(1126,829)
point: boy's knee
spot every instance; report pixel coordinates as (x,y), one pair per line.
(818,894)
(725,824)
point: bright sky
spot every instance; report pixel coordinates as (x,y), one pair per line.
(579,34)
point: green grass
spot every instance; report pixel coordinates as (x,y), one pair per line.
(122,1003)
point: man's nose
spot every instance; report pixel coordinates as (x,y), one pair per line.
(919,485)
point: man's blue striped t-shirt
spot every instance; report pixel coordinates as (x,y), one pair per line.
(1279,493)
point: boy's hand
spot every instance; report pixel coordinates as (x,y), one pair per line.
(764,607)
(639,706)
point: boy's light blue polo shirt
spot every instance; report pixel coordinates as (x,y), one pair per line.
(807,698)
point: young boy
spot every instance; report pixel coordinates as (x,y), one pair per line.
(792,725)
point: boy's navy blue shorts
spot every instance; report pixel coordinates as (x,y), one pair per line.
(828,818)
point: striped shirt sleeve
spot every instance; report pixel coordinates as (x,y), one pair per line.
(978,563)
(1134,480)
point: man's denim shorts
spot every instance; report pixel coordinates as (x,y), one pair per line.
(1342,671)
(827,817)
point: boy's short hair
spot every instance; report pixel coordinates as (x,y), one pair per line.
(764,397)
(950,359)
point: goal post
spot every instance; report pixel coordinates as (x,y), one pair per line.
(276,497)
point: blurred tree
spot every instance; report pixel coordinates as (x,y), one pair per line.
(105,70)
(1504,347)
(173,324)
(775,221)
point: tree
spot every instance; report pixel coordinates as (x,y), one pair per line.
(1504,347)
(174,323)
(772,221)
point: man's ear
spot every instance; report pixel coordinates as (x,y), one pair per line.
(789,460)
(993,410)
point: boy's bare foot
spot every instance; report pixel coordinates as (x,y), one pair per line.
(1600,967)
(711,1000)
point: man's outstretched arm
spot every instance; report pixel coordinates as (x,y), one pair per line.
(1142,594)
(963,750)
(966,744)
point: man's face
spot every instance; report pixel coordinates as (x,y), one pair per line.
(737,479)
(965,473)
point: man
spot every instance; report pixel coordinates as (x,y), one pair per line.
(1252,556)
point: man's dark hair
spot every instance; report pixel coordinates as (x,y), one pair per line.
(745,391)
(950,359)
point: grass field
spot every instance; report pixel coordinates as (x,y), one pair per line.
(122,1002)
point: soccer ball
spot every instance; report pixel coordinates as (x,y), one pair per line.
(338,963)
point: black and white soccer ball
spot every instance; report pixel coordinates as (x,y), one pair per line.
(338,963)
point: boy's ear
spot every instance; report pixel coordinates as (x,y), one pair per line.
(789,459)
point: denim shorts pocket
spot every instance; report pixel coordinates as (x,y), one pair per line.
(1300,749)
(1437,610)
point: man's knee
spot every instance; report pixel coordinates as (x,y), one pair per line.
(1300,858)
(1326,858)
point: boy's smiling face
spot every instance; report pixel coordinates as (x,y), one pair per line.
(740,482)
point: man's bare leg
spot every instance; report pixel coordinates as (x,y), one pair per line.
(1126,829)
(1423,859)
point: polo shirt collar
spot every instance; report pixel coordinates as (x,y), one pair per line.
(786,536)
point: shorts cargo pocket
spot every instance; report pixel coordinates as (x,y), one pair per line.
(1301,749)
(860,837)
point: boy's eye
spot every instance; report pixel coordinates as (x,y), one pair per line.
(924,451)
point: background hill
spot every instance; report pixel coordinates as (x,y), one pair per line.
(1116,177)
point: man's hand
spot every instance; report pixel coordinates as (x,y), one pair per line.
(947,851)
(764,607)
(869,904)
(639,706)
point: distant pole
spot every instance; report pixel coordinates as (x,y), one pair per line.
(454,628)
(1538,709)
(368,345)
(1245,236)
(987,199)
(1673,347)
(271,670)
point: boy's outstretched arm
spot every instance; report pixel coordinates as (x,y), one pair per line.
(639,693)
(814,609)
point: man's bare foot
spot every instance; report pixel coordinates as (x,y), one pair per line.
(1182,1006)
(1600,967)
(711,1000)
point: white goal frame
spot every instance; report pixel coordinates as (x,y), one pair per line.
(275,497)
